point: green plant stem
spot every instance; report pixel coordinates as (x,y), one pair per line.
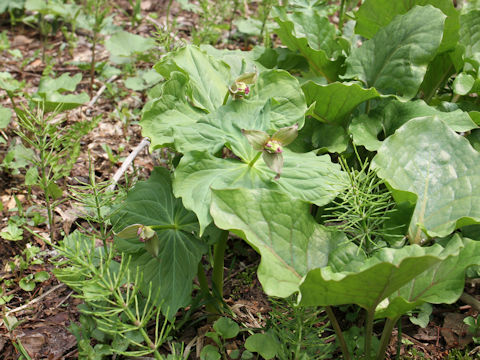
(338,332)
(341,15)
(369,332)
(251,163)
(131,316)
(385,339)
(92,64)
(218,262)
(202,280)
(167,20)
(225,99)
(44,184)
(399,338)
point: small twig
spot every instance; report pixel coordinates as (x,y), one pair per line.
(145,142)
(64,299)
(101,90)
(470,300)
(35,300)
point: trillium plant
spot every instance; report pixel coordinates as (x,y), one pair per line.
(259,136)
(271,147)
(240,87)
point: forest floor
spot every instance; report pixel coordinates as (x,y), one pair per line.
(43,316)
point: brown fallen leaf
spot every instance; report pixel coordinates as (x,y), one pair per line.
(455,331)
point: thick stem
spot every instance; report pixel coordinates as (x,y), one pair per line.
(341,15)
(218,262)
(225,99)
(385,339)
(251,163)
(338,332)
(202,280)
(399,338)
(369,333)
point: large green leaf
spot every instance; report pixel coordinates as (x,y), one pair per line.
(281,230)
(438,72)
(208,77)
(5,117)
(313,36)
(470,37)
(51,93)
(312,178)
(265,110)
(388,118)
(240,62)
(375,14)
(123,45)
(443,283)
(333,102)
(426,158)
(152,203)
(275,101)
(395,60)
(60,84)
(366,283)
(172,109)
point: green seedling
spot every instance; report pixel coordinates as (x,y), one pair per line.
(28,282)
(225,329)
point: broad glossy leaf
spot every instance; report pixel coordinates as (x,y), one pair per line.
(463,83)
(172,109)
(375,14)
(276,93)
(395,60)
(276,101)
(470,37)
(60,84)
(470,5)
(329,138)
(5,117)
(240,62)
(224,127)
(58,102)
(311,34)
(365,130)
(312,178)
(426,158)
(438,72)
(152,203)
(208,77)
(266,344)
(281,230)
(443,283)
(51,93)
(365,283)
(333,102)
(122,45)
(392,116)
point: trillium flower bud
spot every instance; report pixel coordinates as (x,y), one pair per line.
(272,146)
(240,87)
(143,233)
